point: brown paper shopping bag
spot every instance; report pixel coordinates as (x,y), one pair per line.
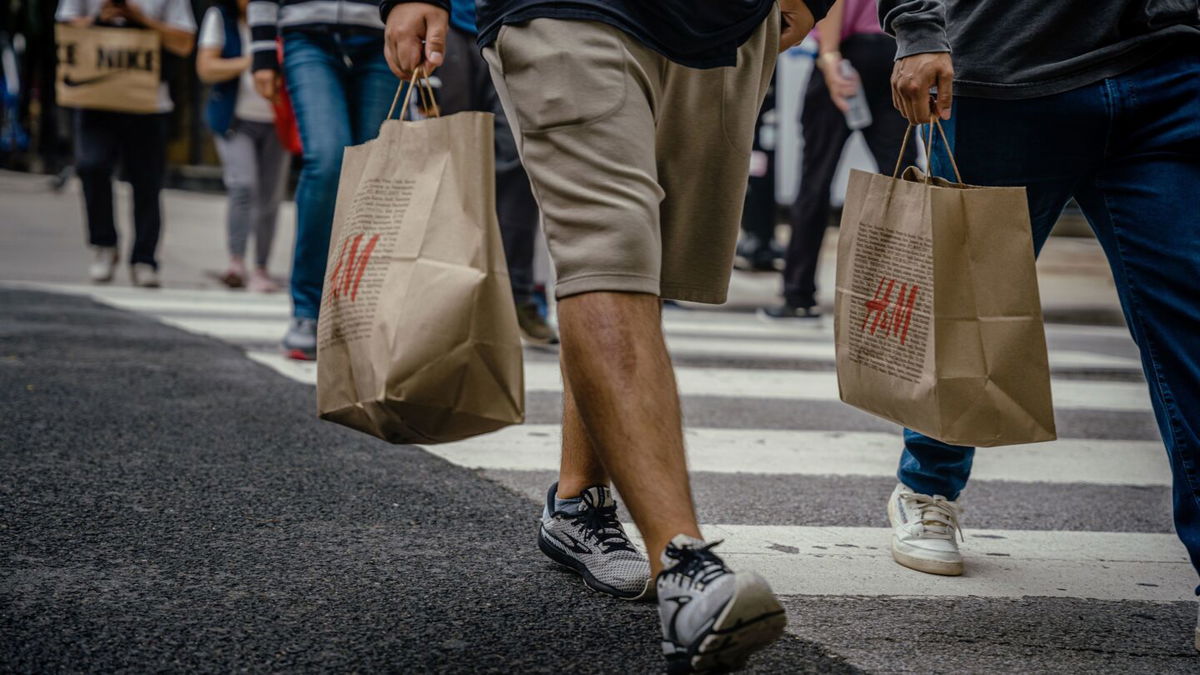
(108,68)
(417,336)
(938,323)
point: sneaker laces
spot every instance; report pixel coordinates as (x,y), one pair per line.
(938,515)
(601,523)
(700,565)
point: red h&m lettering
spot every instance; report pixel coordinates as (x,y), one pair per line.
(350,266)
(893,317)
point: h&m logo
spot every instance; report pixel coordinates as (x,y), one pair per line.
(893,316)
(351,264)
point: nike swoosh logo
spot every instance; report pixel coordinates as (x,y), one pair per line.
(70,82)
(576,545)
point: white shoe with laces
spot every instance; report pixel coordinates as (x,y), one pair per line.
(926,532)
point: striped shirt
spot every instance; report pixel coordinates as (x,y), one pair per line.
(268,18)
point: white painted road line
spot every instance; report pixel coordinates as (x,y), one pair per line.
(788,385)
(1000,563)
(221,302)
(535,447)
(764,350)
(255,328)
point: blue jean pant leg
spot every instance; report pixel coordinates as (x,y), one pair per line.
(316,81)
(1143,203)
(1008,143)
(372,87)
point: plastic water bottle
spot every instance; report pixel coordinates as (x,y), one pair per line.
(858,116)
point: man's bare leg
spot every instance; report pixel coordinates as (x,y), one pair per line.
(620,375)
(581,467)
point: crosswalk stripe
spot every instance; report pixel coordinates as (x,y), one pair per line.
(258,330)
(535,447)
(1000,563)
(692,323)
(783,385)
(824,352)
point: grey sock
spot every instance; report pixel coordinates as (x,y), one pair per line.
(570,505)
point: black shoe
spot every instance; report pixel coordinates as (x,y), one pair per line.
(785,311)
(755,255)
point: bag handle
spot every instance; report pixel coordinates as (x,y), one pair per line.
(928,151)
(425,91)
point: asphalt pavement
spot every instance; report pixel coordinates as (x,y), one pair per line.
(168,505)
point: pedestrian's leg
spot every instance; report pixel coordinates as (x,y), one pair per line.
(825,133)
(372,88)
(273,162)
(620,375)
(580,466)
(95,158)
(872,56)
(144,145)
(239,169)
(315,85)
(1143,204)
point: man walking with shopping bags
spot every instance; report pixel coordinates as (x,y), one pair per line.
(635,123)
(1109,116)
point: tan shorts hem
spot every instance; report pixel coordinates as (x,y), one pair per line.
(693,294)
(593,283)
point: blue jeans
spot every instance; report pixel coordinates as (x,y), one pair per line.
(1128,150)
(341,88)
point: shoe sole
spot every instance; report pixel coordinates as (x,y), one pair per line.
(589,579)
(749,622)
(911,557)
(299,355)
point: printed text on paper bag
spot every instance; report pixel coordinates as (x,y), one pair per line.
(892,287)
(369,237)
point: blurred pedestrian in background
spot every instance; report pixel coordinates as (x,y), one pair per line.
(340,87)
(850,86)
(103,137)
(243,126)
(467,85)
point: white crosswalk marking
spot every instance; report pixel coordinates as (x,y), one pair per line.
(789,385)
(535,447)
(1083,561)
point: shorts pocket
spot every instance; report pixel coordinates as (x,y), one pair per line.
(561,73)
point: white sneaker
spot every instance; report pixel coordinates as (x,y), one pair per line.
(926,532)
(104,264)
(144,275)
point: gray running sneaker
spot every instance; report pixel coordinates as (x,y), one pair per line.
(712,618)
(589,540)
(300,341)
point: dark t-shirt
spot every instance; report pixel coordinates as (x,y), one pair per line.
(695,33)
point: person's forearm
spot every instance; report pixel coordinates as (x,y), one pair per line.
(263,17)
(212,68)
(174,40)
(829,29)
(919,26)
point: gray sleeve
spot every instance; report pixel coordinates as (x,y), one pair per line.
(919,26)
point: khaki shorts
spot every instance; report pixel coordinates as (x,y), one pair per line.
(639,164)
